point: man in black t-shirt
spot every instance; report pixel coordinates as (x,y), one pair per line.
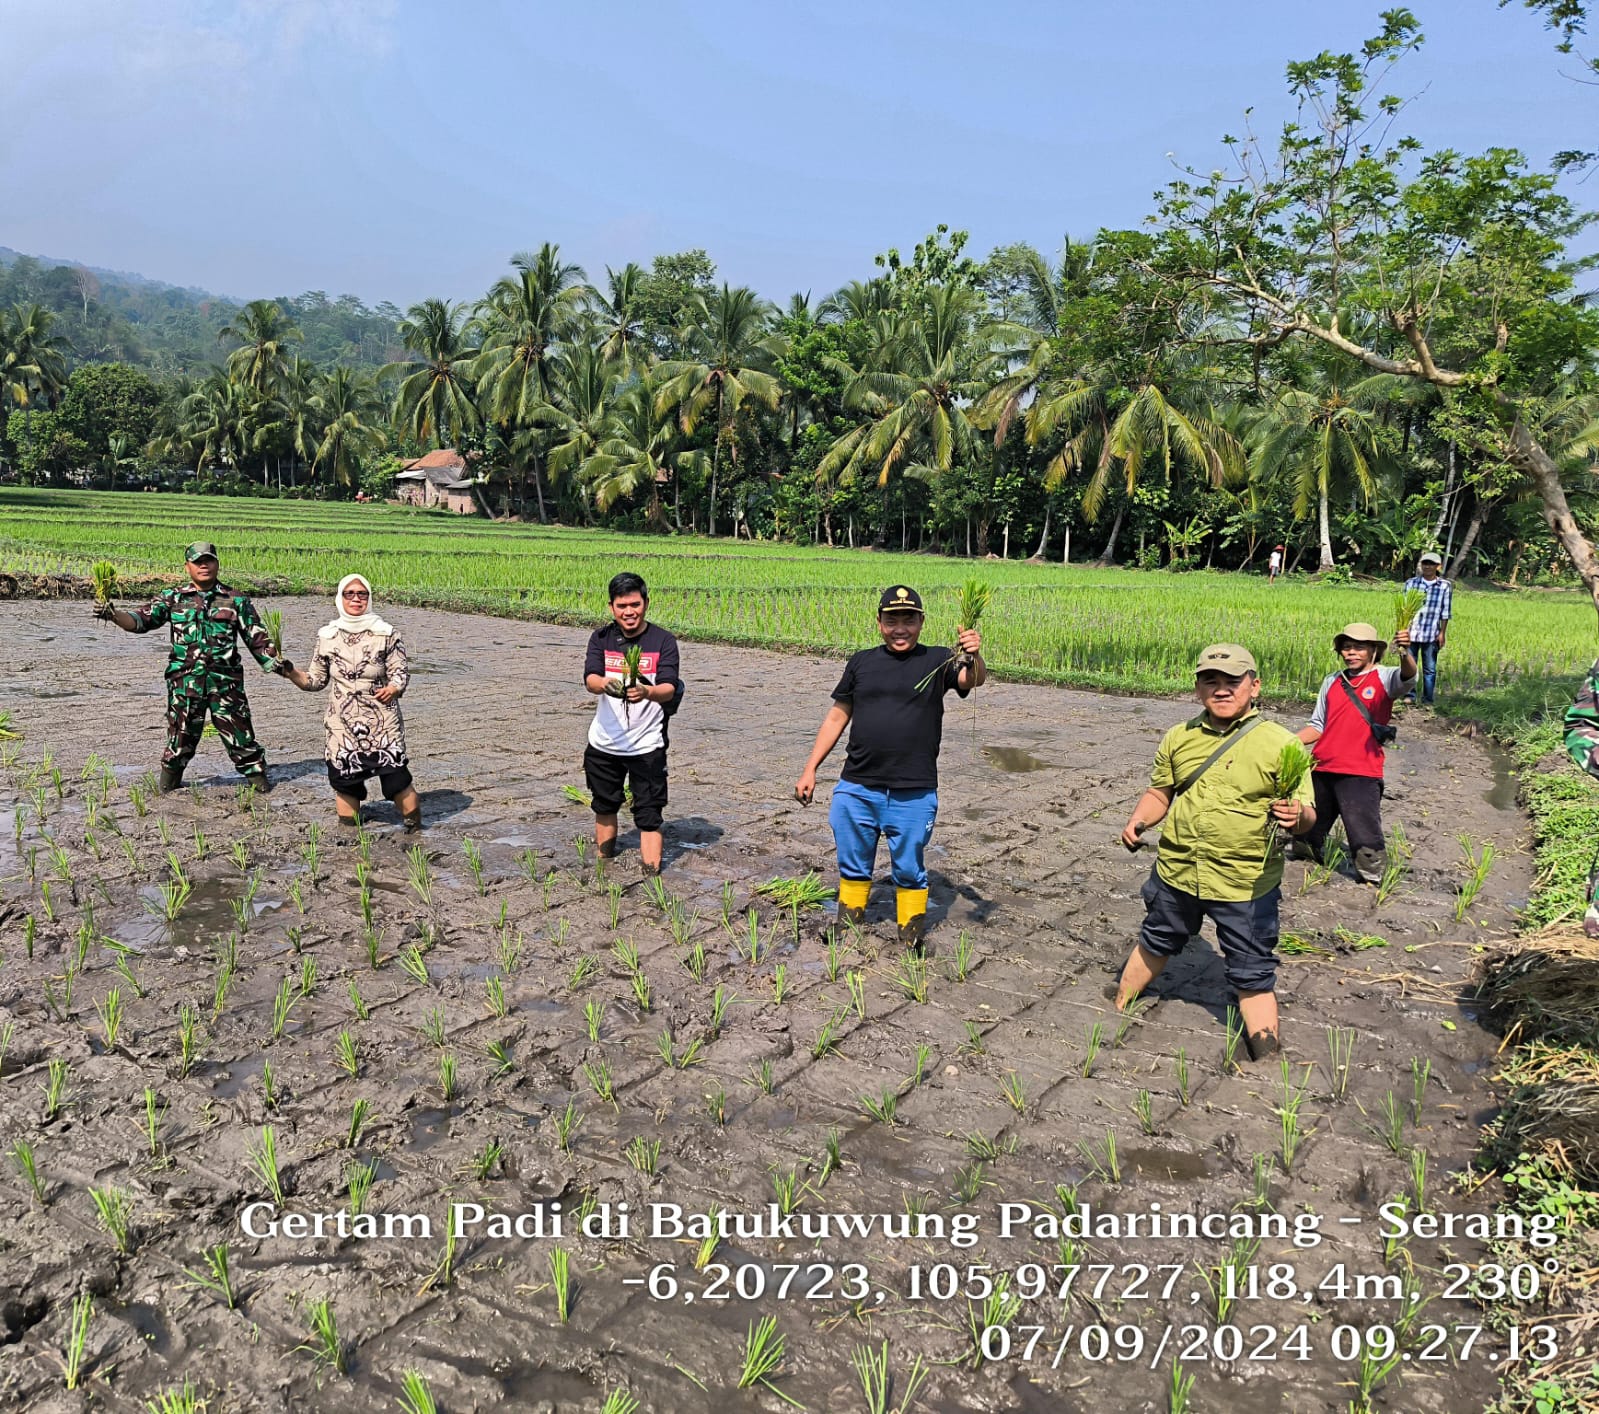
(892,700)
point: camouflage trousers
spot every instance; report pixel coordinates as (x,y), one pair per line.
(230,715)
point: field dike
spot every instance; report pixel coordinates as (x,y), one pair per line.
(486,1032)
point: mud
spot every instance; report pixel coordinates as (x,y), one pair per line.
(1036,783)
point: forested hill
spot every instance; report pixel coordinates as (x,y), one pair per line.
(108,315)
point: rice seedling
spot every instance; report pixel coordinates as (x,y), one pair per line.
(1144,1109)
(447,1077)
(1179,1390)
(347,1053)
(1096,1038)
(999,1308)
(969,1182)
(269,1085)
(625,951)
(482,1164)
(1333,857)
(110,1013)
(359,1179)
(1371,1372)
(272,622)
(114,1209)
(78,1339)
(644,1154)
(8,727)
(779,982)
(363,847)
(1397,868)
(415,1395)
(326,1345)
(240,854)
(28,1166)
(923,1059)
(1260,1180)
(561,1280)
(282,1006)
(7,1031)
(832,1158)
(154,1112)
(1392,1132)
(549,885)
(566,1125)
(414,965)
(181,1399)
(580,843)
(58,1074)
(1102,1160)
(500,1053)
(308,976)
(971,601)
(1418,1180)
(1479,863)
(882,1106)
(598,1074)
(173,894)
(30,931)
(48,901)
(910,976)
(593,1017)
(1231,1276)
(188,1039)
(857,993)
(1180,1070)
(1013,1092)
(788,1190)
(372,938)
(358,1002)
(1293,1099)
(584,968)
(368,913)
(494,996)
(1294,764)
(752,932)
(1420,1077)
(721,1000)
(727,902)
(1233,1042)
(420,874)
(641,992)
(663,1046)
(264,1160)
(763,1354)
(872,1370)
(474,862)
(137,799)
(619,1401)
(1341,1058)
(311,854)
(1406,604)
(980,1146)
(760,1077)
(972,1044)
(716,1106)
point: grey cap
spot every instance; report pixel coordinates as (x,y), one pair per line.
(201,550)
(1431,557)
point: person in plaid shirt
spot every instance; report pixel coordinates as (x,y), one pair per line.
(1431,624)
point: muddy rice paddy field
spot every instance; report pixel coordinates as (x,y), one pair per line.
(510,1052)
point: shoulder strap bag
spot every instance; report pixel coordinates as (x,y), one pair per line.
(1232,739)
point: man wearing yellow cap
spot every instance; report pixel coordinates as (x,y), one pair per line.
(204,673)
(1214,785)
(1347,733)
(891,698)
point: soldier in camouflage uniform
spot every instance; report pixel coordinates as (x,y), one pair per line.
(204,673)
(1582,742)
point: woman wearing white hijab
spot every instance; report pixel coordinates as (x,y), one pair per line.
(363,659)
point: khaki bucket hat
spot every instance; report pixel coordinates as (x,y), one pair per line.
(1362,633)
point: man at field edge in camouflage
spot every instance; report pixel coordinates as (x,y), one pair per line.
(204,672)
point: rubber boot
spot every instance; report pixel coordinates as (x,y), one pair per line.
(912,932)
(1369,865)
(852,896)
(170,781)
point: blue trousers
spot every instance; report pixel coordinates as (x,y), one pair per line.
(859,814)
(1426,671)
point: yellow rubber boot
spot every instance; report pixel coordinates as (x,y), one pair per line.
(852,896)
(910,908)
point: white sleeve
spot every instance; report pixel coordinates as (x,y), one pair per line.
(1391,678)
(1318,718)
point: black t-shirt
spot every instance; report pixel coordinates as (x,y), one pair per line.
(894,731)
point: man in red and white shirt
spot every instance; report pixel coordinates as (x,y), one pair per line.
(1346,734)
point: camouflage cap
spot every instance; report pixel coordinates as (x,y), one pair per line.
(201,550)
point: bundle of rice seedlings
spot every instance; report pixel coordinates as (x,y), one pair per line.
(1407,604)
(969,606)
(631,676)
(105,581)
(1545,987)
(1294,763)
(7,731)
(273,620)
(787,893)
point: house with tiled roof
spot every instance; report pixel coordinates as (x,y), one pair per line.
(440,478)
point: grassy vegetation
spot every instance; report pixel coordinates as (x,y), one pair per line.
(1117,629)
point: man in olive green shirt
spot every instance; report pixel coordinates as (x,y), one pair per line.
(1214,786)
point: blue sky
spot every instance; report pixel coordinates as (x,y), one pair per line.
(403,148)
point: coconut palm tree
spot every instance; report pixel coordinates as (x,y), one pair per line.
(1322,443)
(639,453)
(33,362)
(347,406)
(620,319)
(574,419)
(215,422)
(523,318)
(435,399)
(262,334)
(730,350)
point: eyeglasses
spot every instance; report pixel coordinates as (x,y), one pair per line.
(356,594)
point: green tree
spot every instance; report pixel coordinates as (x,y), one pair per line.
(33,364)
(347,407)
(434,402)
(104,400)
(262,334)
(729,351)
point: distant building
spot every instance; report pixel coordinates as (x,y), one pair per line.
(438,479)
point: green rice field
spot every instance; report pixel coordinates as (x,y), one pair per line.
(1122,630)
